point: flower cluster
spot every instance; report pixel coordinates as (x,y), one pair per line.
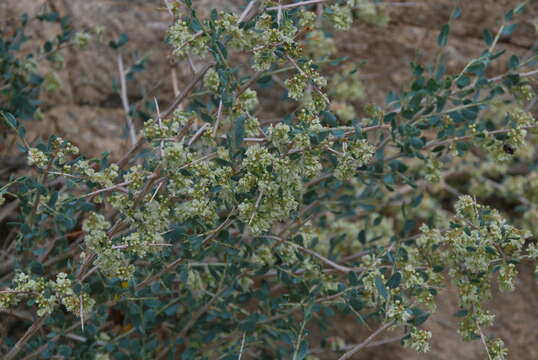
(46,294)
(479,242)
(184,40)
(358,154)
(110,261)
(38,158)
(340,17)
(167,128)
(277,189)
(418,340)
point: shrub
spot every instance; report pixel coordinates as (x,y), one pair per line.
(221,236)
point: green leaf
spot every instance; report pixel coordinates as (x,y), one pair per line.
(239,130)
(381,289)
(303,351)
(37,268)
(417,200)
(442,39)
(10,120)
(420,317)
(477,68)
(249,324)
(50,17)
(353,278)
(488,37)
(509,29)
(64,350)
(122,40)
(416,142)
(395,280)
(329,118)
(205,117)
(463,81)
(513,63)
(461,313)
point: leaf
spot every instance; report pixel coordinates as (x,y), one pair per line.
(206,117)
(37,268)
(420,317)
(513,63)
(381,289)
(353,279)
(461,313)
(395,280)
(50,17)
(417,200)
(249,324)
(362,237)
(239,130)
(442,39)
(477,68)
(265,81)
(303,351)
(329,118)
(122,40)
(463,81)
(10,120)
(509,29)
(488,37)
(416,142)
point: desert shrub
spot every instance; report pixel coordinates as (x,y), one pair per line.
(223,236)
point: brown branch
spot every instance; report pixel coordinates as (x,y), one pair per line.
(365,343)
(24,339)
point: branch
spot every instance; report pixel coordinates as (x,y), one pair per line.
(312,2)
(25,338)
(169,111)
(365,343)
(125,100)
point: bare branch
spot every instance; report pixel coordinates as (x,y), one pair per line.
(125,100)
(365,343)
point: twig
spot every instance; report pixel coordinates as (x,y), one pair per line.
(247,10)
(25,338)
(198,133)
(196,316)
(169,111)
(329,262)
(311,2)
(81,313)
(187,90)
(46,345)
(365,343)
(107,189)
(168,8)
(525,74)
(219,114)
(125,100)
(258,200)
(175,86)
(242,346)
(483,339)
(299,338)
(161,145)
(467,137)
(298,4)
(176,262)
